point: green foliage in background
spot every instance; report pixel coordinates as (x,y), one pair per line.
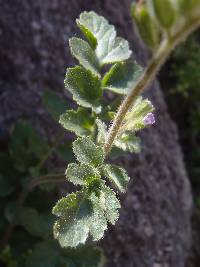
(184,81)
(27,193)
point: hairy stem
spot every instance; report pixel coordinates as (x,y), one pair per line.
(147,78)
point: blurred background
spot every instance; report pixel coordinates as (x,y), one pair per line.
(159,223)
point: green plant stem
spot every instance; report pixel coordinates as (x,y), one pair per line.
(147,78)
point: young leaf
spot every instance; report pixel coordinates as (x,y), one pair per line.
(102,36)
(122,77)
(80,122)
(84,86)
(128,142)
(81,174)
(87,152)
(78,217)
(117,176)
(86,56)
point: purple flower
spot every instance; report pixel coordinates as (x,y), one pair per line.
(149,119)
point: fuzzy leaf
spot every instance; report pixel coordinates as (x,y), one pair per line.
(102,37)
(128,142)
(79,216)
(79,122)
(87,152)
(117,176)
(110,204)
(81,174)
(84,86)
(122,77)
(102,131)
(86,56)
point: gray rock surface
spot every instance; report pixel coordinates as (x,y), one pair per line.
(154,225)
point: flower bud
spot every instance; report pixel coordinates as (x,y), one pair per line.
(149,119)
(147,26)
(165,12)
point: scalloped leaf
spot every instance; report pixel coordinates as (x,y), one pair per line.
(117,176)
(81,174)
(102,37)
(122,77)
(80,217)
(110,204)
(80,122)
(84,86)
(87,152)
(128,142)
(86,56)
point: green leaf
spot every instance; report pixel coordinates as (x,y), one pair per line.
(86,56)
(110,204)
(128,142)
(122,77)
(44,254)
(6,187)
(65,151)
(85,256)
(84,86)
(102,37)
(117,176)
(38,225)
(37,145)
(66,204)
(79,216)
(27,147)
(81,174)
(49,254)
(54,104)
(102,131)
(11,210)
(87,152)
(80,122)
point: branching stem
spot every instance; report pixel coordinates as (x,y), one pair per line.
(147,78)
